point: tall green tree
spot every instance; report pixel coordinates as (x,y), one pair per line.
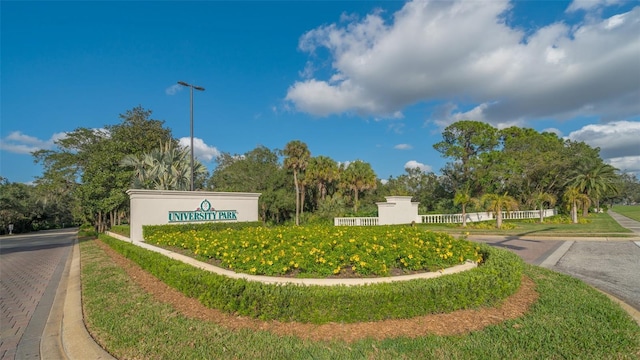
(629,190)
(528,162)
(259,171)
(496,203)
(463,142)
(17,207)
(358,176)
(91,159)
(297,157)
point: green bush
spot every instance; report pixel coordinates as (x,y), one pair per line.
(123,230)
(498,277)
(557,219)
(490,225)
(154,230)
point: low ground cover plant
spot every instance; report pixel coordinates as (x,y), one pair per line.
(320,250)
(498,277)
(123,230)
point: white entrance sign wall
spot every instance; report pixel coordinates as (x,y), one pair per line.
(397,210)
(160,207)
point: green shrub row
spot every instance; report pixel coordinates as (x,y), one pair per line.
(497,278)
(155,230)
(123,230)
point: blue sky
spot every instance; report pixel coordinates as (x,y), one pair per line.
(369,80)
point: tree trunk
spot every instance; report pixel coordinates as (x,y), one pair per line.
(295,180)
(499,219)
(464,215)
(541,214)
(302,196)
(355,201)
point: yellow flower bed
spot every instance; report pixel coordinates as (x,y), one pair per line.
(321,251)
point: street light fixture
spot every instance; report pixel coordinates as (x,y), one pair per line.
(201,89)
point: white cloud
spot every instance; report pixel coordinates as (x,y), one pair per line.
(618,142)
(627,164)
(403,147)
(590,4)
(19,143)
(412,164)
(201,151)
(462,52)
(615,139)
(173,89)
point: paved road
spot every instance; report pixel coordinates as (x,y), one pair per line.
(30,270)
(609,264)
(613,267)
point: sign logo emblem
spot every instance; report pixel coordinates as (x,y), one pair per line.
(205,205)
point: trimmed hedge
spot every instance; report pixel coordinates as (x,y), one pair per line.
(124,230)
(149,230)
(498,277)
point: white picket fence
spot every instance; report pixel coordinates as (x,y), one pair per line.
(449,218)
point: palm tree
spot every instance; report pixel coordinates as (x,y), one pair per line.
(496,203)
(357,177)
(322,171)
(297,157)
(541,198)
(573,196)
(463,197)
(164,168)
(594,180)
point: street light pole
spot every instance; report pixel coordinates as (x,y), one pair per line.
(201,89)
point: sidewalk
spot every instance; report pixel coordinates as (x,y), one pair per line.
(626,222)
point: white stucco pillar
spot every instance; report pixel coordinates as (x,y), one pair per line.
(397,210)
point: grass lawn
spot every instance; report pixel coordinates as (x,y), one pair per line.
(630,211)
(569,320)
(598,225)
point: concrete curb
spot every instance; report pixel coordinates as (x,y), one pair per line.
(51,344)
(635,314)
(554,238)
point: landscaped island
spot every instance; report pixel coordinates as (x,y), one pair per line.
(320,251)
